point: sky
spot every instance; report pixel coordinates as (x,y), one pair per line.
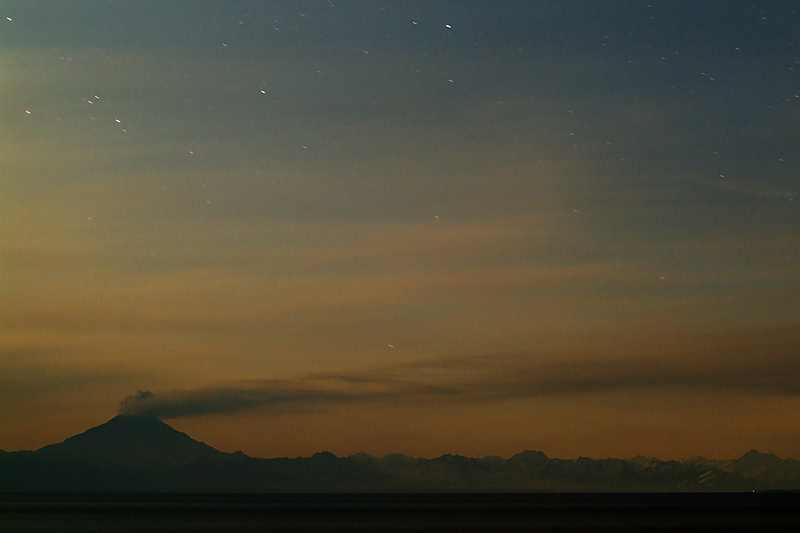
(418,227)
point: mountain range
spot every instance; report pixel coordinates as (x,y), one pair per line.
(143,454)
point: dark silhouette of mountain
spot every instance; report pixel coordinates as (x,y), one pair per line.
(143,454)
(126,442)
(642,460)
(754,462)
(768,469)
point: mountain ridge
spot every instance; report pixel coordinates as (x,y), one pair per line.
(130,441)
(143,454)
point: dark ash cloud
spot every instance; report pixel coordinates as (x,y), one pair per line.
(308,392)
(761,368)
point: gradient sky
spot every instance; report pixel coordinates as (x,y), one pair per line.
(421,227)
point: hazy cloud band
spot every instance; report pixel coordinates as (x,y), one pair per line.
(771,370)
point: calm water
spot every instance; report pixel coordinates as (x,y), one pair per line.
(373,513)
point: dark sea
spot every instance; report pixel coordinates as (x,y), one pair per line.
(767,512)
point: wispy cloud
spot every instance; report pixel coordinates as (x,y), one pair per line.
(757,366)
(311,392)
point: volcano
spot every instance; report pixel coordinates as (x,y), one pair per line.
(130,442)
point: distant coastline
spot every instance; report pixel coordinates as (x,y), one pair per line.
(401,512)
